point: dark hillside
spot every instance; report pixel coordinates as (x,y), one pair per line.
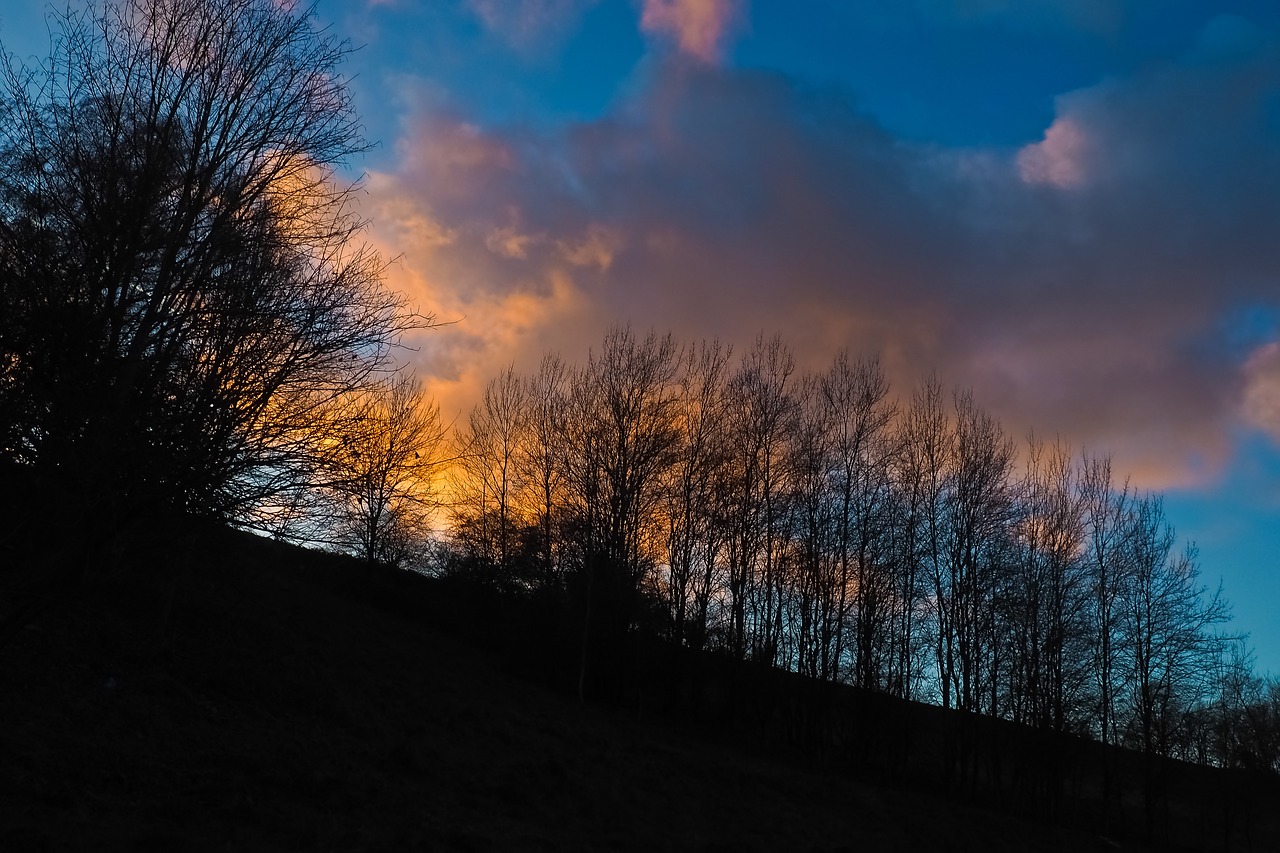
(272,698)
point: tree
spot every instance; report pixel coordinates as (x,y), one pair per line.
(1166,624)
(540,464)
(1166,640)
(1044,602)
(695,535)
(761,410)
(181,295)
(924,450)
(620,437)
(1106,510)
(487,508)
(386,455)
(1105,529)
(817,592)
(1241,718)
(856,396)
(978,507)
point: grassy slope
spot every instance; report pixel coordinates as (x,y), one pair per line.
(275,709)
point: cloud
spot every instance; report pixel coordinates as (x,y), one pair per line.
(510,242)
(1060,159)
(1083,286)
(698,27)
(530,25)
(596,247)
(1261,404)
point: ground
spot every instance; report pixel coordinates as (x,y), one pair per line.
(263,701)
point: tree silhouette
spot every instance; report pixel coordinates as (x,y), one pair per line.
(1045,600)
(487,506)
(181,296)
(540,463)
(386,454)
(620,438)
(807,522)
(761,412)
(694,533)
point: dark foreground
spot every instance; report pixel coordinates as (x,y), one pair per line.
(267,701)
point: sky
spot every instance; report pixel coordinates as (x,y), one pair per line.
(1070,206)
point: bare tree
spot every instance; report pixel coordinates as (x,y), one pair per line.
(1246,724)
(1045,601)
(803,523)
(857,397)
(623,408)
(620,434)
(487,505)
(978,507)
(387,453)
(1166,640)
(924,456)
(1106,512)
(817,595)
(540,463)
(761,412)
(1166,626)
(183,297)
(695,537)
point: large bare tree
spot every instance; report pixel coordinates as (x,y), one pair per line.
(183,294)
(619,439)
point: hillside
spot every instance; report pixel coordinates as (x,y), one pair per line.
(277,699)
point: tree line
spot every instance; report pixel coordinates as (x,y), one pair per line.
(817,523)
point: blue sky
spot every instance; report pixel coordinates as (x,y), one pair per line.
(1071,207)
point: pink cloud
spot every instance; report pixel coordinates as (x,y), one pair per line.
(699,27)
(1059,160)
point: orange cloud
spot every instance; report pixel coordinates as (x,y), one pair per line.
(501,307)
(509,242)
(698,26)
(469,253)
(596,247)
